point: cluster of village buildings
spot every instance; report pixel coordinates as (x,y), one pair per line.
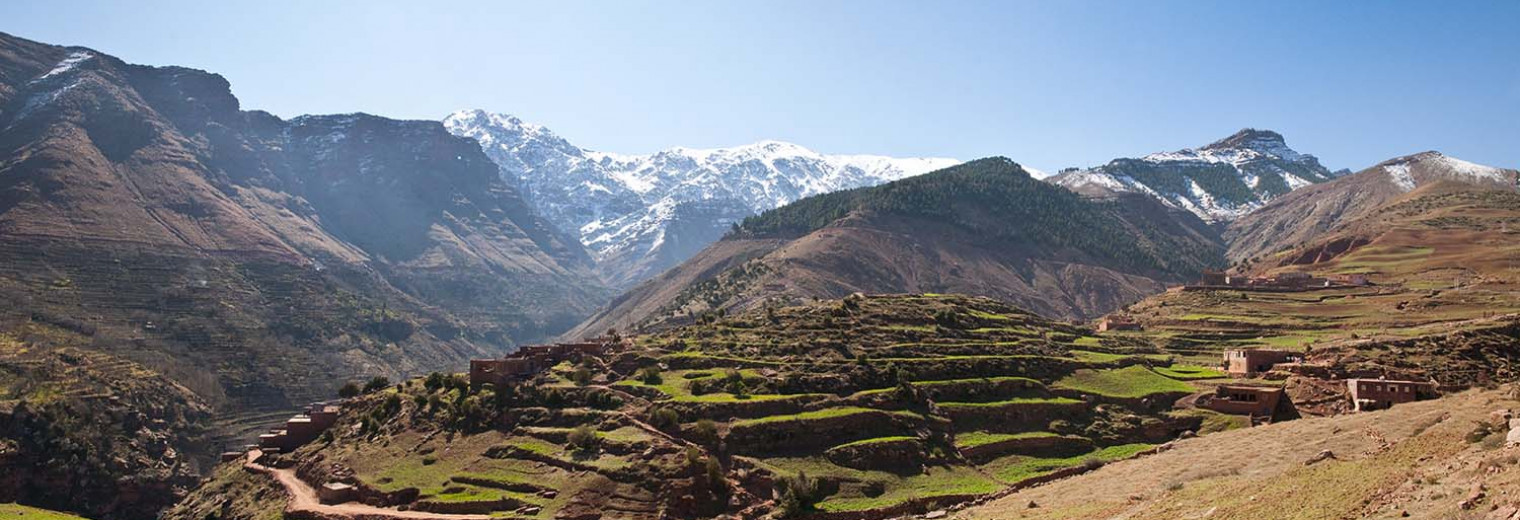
(531,360)
(298,430)
(1265,402)
(520,365)
(1293,281)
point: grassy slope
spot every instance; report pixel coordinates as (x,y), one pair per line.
(1441,261)
(20,512)
(1259,473)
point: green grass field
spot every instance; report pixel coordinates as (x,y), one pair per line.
(20,512)
(1190,372)
(981,438)
(1016,468)
(1128,382)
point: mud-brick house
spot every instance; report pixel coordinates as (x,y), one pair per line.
(304,428)
(336,493)
(1111,323)
(1255,401)
(503,370)
(1213,278)
(301,429)
(1376,394)
(529,360)
(1353,279)
(1252,361)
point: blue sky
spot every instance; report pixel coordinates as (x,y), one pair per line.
(1050,84)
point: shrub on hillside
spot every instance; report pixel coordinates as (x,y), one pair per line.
(798,495)
(706,430)
(349,389)
(434,381)
(376,384)
(650,375)
(583,439)
(581,376)
(665,419)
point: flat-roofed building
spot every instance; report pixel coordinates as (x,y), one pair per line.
(1252,361)
(1376,394)
(1255,401)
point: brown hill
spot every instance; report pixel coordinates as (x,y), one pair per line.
(1307,214)
(1439,261)
(981,228)
(259,261)
(1433,459)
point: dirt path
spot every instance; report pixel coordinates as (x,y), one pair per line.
(303,499)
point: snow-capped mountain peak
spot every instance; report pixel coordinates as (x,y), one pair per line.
(1411,171)
(1220,181)
(627,207)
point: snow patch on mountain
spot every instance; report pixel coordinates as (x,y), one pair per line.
(1472,170)
(1218,182)
(624,205)
(1401,177)
(68,64)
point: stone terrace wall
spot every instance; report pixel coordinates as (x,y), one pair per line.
(774,437)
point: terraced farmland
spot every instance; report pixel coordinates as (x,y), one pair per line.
(915,400)
(870,406)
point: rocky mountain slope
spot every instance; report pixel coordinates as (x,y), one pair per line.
(256,261)
(1309,214)
(642,214)
(1220,182)
(985,228)
(88,432)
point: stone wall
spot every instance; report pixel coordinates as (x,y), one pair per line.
(896,455)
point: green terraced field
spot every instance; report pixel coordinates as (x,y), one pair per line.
(981,438)
(1127,382)
(20,512)
(1190,372)
(1017,468)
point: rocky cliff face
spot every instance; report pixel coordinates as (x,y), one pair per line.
(1218,182)
(642,214)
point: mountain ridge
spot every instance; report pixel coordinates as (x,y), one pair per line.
(1304,215)
(641,214)
(947,231)
(1221,181)
(134,190)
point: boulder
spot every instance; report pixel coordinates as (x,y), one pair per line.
(1322,456)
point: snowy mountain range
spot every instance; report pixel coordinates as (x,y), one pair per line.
(1219,182)
(641,214)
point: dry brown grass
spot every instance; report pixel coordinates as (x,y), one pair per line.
(1259,473)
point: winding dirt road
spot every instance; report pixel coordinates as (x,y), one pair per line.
(303,499)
